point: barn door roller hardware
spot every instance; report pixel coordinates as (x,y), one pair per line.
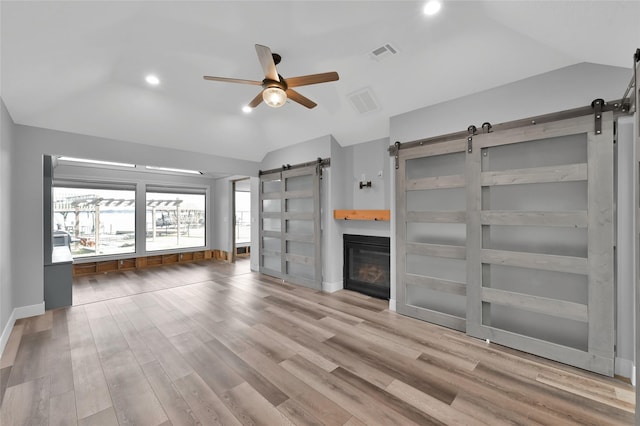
(597,106)
(320,162)
(319,168)
(472,130)
(395,151)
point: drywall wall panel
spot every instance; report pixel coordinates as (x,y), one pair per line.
(6,217)
(625,246)
(300,153)
(565,88)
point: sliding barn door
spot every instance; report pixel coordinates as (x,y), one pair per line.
(533,267)
(431,233)
(290,233)
(541,229)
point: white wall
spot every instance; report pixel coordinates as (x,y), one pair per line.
(6,223)
(31,143)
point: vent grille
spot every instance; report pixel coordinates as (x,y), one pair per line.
(364,101)
(384,52)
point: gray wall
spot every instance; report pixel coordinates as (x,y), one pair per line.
(368,161)
(565,88)
(222,213)
(255,225)
(626,246)
(6,218)
(350,165)
(302,152)
(30,144)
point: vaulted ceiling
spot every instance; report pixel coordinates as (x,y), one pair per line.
(80,66)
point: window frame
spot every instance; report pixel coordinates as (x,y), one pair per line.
(176,189)
(141,187)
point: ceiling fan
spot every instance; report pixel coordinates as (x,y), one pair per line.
(275,89)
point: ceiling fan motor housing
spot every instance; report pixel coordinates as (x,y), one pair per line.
(282,84)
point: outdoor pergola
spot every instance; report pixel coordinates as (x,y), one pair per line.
(93,204)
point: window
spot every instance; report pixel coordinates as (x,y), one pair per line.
(93,221)
(243,217)
(175,220)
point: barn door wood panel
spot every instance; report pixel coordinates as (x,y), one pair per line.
(540,220)
(431,234)
(511,238)
(271,216)
(290,233)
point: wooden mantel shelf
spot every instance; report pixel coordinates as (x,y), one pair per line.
(382,215)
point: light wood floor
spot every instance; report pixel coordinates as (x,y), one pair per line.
(209,344)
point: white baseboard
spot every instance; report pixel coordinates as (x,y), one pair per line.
(16,314)
(392,305)
(332,287)
(7,331)
(625,368)
(29,311)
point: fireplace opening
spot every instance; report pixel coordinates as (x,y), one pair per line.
(366,265)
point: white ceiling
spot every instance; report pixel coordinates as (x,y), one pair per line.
(80,66)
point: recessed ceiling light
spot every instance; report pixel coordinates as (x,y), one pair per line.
(152,80)
(247,109)
(432,7)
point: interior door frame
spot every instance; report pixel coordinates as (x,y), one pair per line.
(234,249)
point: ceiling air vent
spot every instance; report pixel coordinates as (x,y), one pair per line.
(384,52)
(363,101)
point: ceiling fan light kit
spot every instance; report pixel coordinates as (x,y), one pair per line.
(275,89)
(274,97)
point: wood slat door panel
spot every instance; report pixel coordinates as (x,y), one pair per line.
(536,204)
(431,234)
(538,317)
(290,225)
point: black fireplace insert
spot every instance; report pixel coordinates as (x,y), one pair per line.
(367,265)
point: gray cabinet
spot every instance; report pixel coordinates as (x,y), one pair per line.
(58,279)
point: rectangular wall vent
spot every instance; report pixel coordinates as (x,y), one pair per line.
(363,101)
(384,52)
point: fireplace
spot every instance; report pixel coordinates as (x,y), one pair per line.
(366,265)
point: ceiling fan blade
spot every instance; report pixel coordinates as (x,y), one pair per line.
(266,60)
(306,80)
(233,80)
(256,101)
(302,100)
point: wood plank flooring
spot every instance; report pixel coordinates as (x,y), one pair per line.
(211,343)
